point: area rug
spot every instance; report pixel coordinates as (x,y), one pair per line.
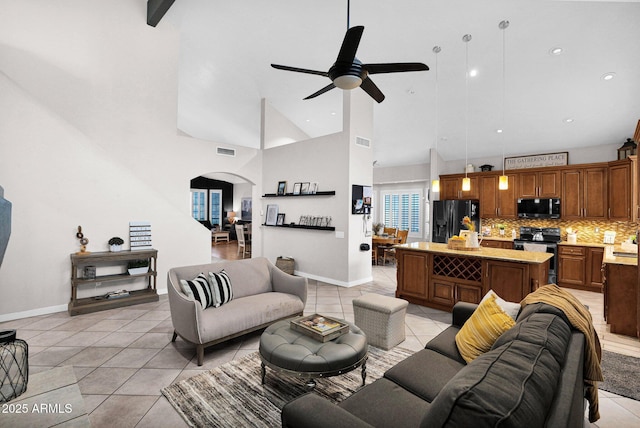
(232,396)
(620,375)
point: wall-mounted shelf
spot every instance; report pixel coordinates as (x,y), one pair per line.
(299,226)
(275,195)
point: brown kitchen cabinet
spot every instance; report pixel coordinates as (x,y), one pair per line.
(509,280)
(622,184)
(584,193)
(580,267)
(621,298)
(451,187)
(494,243)
(495,202)
(539,184)
(412,276)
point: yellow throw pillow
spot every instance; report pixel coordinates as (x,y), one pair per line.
(482,329)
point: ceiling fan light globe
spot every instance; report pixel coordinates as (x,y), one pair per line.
(347,81)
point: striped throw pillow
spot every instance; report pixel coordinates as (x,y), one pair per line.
(482,329)
(221,288)
(198,289)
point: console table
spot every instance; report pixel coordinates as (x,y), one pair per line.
(103,259)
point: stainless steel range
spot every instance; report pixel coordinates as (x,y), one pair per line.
(543,239)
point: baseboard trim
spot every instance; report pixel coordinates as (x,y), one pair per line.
(333,281)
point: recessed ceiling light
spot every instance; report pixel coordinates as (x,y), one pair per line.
(555,51)
(308,120)
(608,76)
(568,120)
(333,113)
(499,131)
(473,72)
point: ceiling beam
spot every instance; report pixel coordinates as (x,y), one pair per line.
(156,10)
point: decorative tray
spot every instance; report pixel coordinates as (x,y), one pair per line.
(319,327)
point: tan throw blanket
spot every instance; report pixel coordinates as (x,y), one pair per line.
(580,318)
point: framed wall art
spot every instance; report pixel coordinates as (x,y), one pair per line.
(272,215)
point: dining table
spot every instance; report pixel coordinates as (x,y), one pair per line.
(378,241)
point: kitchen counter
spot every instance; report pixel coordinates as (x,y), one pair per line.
(430,274)
(482,252)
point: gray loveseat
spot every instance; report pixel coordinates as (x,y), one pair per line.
(532,377)
(262,295)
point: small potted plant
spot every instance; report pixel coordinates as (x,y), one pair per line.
(115,244)
(501,229)
(136,267)
(377,227)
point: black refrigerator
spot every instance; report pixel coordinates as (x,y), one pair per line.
(447,218)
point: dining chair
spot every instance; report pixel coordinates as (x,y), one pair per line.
(390,251)
(392,231)
(242,242)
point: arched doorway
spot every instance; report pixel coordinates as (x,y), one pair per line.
(220,201)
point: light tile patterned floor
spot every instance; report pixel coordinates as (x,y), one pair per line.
(123,357)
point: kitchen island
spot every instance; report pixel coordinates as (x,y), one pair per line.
(430,274)
(621,299)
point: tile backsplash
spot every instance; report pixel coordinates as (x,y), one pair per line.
(588,231)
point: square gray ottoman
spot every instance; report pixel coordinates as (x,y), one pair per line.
(381,318)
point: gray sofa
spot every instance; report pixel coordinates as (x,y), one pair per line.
(262,295)
(532,377)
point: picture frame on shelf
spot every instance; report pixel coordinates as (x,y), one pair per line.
(282,188)
(313,189)
(296,188)
(304,189)
(272,215)
(280,220)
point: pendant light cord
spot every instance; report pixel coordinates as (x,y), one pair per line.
(503,26)
(466,38)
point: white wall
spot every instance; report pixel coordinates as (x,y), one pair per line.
(335,163)
(88,137)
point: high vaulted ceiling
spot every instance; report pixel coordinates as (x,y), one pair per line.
(227,48)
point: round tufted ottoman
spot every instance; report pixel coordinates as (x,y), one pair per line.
(286,350)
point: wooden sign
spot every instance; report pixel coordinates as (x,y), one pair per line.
(537,161)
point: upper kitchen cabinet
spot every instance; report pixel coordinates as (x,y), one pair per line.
(539,184)
(584,193)
(495,202)
(451,187)
(622,190)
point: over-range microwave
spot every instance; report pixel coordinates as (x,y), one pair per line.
(539,208)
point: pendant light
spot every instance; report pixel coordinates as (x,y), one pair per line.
(435,184)
(466,181)
(503,182)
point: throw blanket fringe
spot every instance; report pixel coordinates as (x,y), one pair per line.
(580,318)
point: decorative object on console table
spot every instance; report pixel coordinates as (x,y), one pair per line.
(136,267)
(272,215)
(14,366)
(140,235)
(83,241)
(115,244)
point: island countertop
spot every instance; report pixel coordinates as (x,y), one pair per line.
(531,257)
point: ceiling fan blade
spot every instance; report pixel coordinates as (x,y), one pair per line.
(350,44)
(321,91)
(300,70)
(395,67)
(370,88)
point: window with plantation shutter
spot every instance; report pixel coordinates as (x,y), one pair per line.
(403,210)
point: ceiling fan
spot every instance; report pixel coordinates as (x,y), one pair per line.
(349,73)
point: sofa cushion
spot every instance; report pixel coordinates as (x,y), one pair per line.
(220,288)
(386,404)
(249,276)
(510,386)
(445,344)
(481,330)
(424,373)
(541,329)
(198,289)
